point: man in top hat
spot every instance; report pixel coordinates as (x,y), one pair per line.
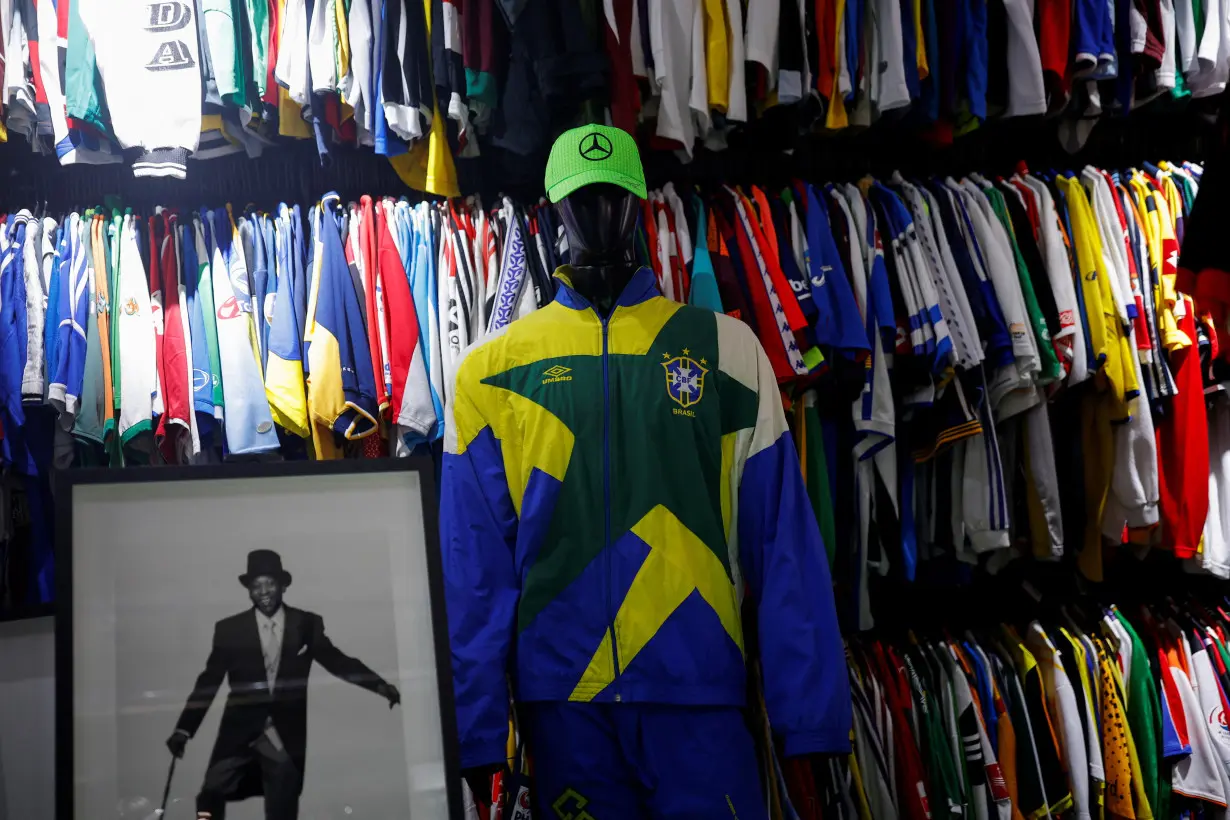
(265,653)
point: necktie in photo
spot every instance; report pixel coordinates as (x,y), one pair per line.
(272,647)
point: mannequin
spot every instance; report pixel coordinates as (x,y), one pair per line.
(617,472)
(599,221)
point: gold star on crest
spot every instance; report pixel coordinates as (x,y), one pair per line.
(704,361)
(666,355)
(686,351)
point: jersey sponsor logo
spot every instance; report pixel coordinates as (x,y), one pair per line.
(558,373)
(571,806)
(595,147)
(685,379)
(131,308)
(229,309)
(521,808)
(201,380)
(264,427)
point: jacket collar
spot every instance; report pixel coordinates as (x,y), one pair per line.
(642,287)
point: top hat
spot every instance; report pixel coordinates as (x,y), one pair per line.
(265,562)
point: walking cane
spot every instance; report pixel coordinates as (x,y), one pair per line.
(166,792)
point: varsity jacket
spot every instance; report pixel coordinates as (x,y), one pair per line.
(139,58)
(612,490)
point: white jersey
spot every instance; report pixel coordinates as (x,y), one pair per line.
(670,36)
(1026,93)
(139,366)
(249,423)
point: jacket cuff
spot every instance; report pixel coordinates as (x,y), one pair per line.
(818,741)
(484,750)
(162,162)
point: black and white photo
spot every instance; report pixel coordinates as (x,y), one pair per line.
(265,655)
(263,647)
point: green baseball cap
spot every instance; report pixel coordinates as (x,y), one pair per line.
(594,153)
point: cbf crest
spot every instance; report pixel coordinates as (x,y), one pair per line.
(685,378)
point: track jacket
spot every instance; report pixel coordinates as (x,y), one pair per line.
(611,491)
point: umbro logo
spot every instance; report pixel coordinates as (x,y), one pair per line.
(558,373)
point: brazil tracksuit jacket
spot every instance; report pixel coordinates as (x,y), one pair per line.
(613,490)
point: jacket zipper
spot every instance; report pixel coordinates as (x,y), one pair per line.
(606,491)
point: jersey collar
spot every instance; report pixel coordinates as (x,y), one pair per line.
(642,287)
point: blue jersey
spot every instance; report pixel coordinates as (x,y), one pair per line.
(704,282)
(974,28)
(202,375)
(51,323)
(284,371)
(342,391)
(248,421)
(423,288)
(13,342)
(68,374)
(839,326)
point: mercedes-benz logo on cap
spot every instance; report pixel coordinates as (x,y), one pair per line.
(595,146)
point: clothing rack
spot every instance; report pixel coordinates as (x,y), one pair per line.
(1107,701)
(768,151)
(1024,591)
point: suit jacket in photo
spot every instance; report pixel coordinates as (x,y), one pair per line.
(237,657)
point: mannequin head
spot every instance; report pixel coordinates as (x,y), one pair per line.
(594,177)
(599,220)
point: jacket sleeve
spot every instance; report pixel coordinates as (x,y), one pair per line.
(477,535)
(806,689)
(207,685)
(338,663)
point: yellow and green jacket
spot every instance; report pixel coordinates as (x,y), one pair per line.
(612,489)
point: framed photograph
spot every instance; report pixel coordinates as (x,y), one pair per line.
(253,642)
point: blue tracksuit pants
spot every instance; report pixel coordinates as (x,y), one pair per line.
(643,762)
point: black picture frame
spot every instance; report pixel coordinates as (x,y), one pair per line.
(63,486)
